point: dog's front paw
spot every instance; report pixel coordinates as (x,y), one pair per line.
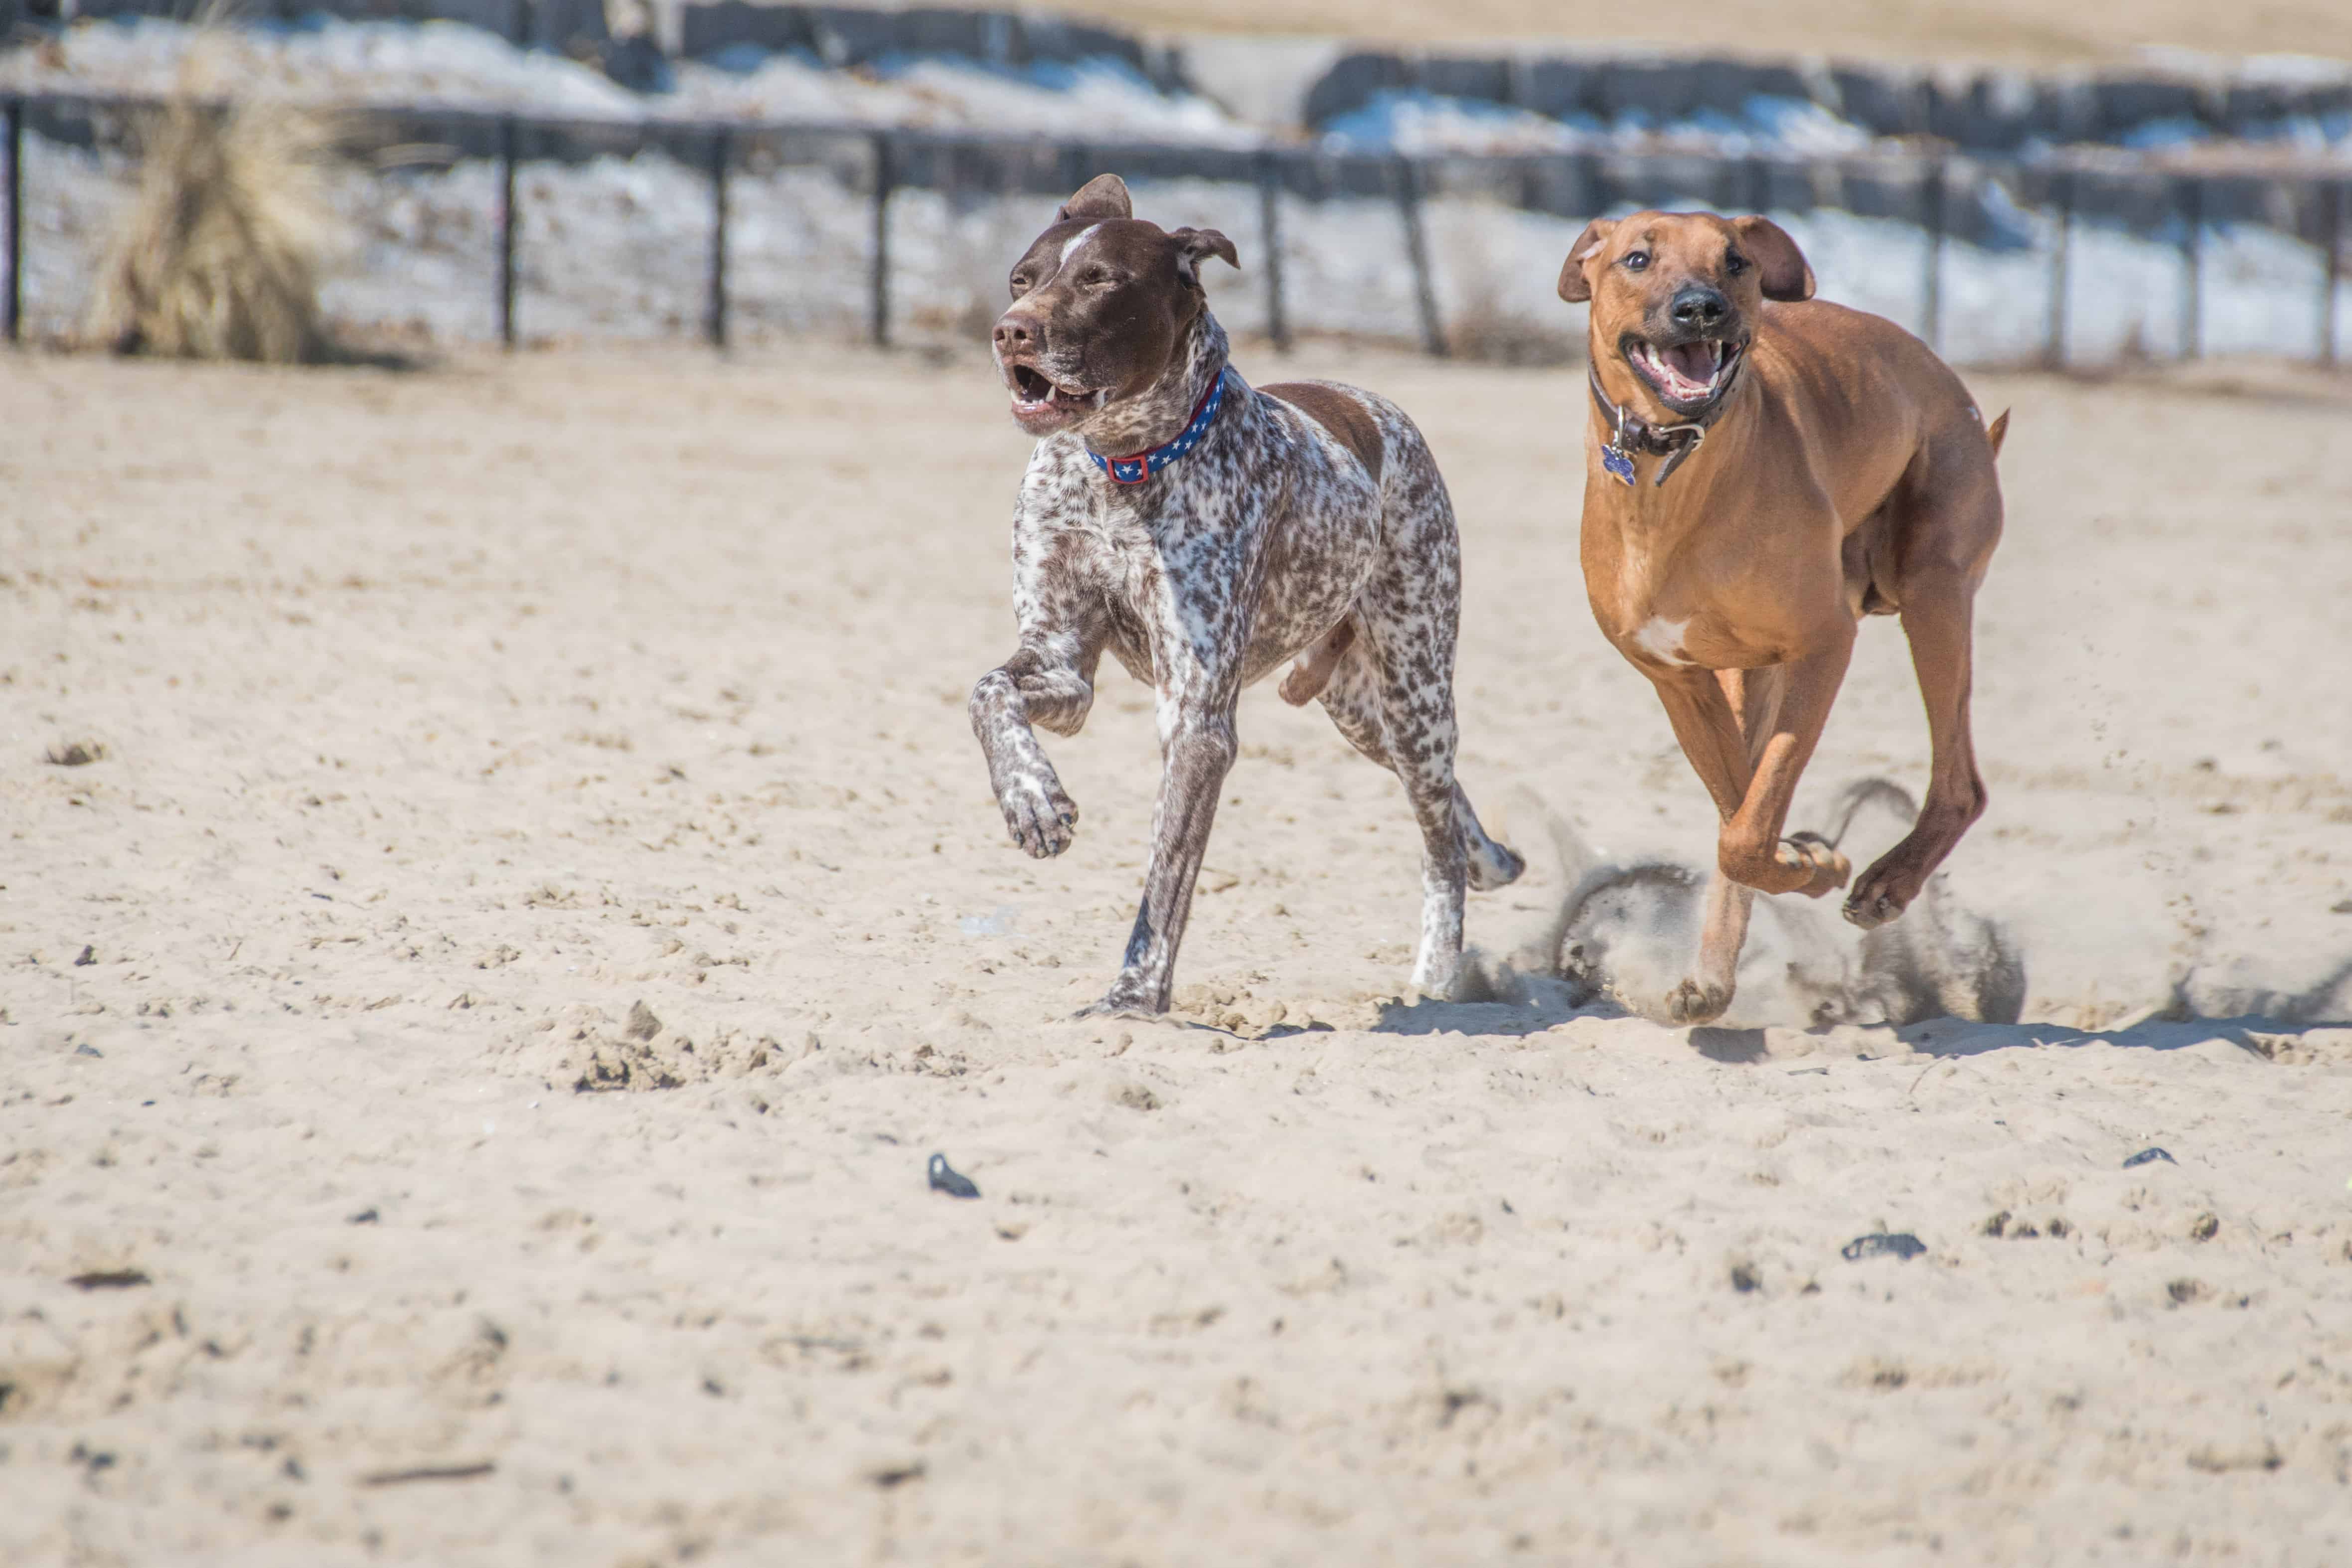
(1041,817)
(1692,1002)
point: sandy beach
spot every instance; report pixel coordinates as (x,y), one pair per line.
(476,1025)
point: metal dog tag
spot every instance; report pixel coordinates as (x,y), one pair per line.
(1617,463)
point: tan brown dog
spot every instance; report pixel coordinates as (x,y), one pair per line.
(1763,469)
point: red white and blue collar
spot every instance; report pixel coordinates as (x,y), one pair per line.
(1141,466)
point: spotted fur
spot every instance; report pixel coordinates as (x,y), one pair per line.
(1274,538)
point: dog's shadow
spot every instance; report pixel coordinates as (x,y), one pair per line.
(1428,1016)
(1735,1048)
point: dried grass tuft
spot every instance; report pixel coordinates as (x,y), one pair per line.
(220,253)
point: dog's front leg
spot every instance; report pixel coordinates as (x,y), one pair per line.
(1197,749)
(1049,681)
(1753,775)
(1748,735)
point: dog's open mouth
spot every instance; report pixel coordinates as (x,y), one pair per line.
(1688,377)
(1035,395)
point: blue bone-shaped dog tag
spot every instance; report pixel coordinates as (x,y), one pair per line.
(1617,463)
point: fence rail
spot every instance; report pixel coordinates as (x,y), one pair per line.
(1945,194)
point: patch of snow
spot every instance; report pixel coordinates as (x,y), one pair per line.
(1419,122)
(449,64)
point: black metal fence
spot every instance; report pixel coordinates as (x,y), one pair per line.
(2007,205)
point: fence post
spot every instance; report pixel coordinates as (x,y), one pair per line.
(878,307)
(506,225)
(2331,265)
(1269,220)
(2192,259)
(722,149)
(12,304)
(1404,177)
(2053,351)
(1931,281)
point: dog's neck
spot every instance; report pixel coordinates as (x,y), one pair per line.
(1158,415)
(1695,463)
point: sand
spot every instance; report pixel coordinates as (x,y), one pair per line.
(2009,32)
(486,1011)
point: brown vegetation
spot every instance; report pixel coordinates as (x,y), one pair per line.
(220,251)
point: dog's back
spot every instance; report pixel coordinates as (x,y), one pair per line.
(1344,412)
(1871,404)
(1856,372)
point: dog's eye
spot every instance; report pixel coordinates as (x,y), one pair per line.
(1735,263)
(1093,277)
(1636,259)
(1020,284)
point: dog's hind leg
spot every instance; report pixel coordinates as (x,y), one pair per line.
(1948,535)
(1350,694)
(1354,705)
(1391,697)
(1359,698)
(1938,621)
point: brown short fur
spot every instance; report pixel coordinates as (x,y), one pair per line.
(1844,471)
(1347,418)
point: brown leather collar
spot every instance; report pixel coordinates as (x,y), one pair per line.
(1629,433)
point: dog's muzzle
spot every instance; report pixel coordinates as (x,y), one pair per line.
(1688,376)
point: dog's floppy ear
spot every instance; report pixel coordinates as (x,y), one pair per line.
(1781,267)
(1191,244)
(1104,196)
(1574,286)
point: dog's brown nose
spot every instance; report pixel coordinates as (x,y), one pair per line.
(1013,332)
(1698,308)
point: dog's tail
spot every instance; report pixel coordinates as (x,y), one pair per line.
(1995,431)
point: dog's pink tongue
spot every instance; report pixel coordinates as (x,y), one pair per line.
(1692,361)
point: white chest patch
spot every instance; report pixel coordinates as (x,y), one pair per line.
(1662,640)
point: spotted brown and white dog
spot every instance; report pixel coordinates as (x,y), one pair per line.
(1205,531)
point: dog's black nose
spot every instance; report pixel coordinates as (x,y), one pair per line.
(1698,306)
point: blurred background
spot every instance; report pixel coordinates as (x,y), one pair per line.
(2155,182)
